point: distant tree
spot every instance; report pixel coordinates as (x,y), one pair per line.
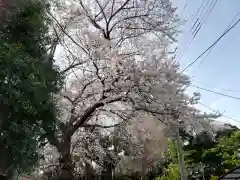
(212,153)
(171,173)
(209,153)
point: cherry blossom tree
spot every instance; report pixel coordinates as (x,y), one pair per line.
(152,141)
(116,60)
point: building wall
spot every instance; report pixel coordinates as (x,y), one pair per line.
(23,177)
(6,3)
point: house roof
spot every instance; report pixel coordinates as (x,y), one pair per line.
(233,174)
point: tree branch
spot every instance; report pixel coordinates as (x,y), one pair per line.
(118,10)
(117,114)
(72,66)
(68,98)
(94,23)
(63,30)
(111,17)
(76,99)
(75,102)
(100,126)
(102,10)
(89,111)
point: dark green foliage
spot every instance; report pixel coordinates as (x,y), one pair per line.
(217,154)
(27,80)
(205,154)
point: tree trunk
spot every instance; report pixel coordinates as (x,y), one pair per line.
(88,172)
(66,167)
(12,174)
(143,177)
(4,161)
(144,173)
(2,177)
(107,174)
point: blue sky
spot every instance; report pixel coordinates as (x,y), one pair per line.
(221,69)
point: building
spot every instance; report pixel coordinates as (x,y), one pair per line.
(24,177)
(233,174)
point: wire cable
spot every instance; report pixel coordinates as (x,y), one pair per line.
(185,45)
(211,46)
(184,8)
(196,14)
(198,24)
(205,58)
(221,89)
(215,92)
(209,11)
(216,111)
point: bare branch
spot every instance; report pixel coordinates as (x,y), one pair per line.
(113,3)
(112,16)
(126,18)
(76,99)
(118,10)
(68,98)
(93,21)
(64,31)
(97,73)
(101,10)
(72,66)
(121,116)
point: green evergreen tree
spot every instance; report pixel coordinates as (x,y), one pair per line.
(28,79)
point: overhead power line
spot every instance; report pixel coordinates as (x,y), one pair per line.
(208,11)
(198,24)
(215,92)
(196,14)
(221,89)
(184,8)
(216,111)
(212,45)
(205,7)
(201,62)
(183,46)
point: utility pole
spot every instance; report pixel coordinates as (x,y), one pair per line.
(202,170)
(180,155)
(175,126)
